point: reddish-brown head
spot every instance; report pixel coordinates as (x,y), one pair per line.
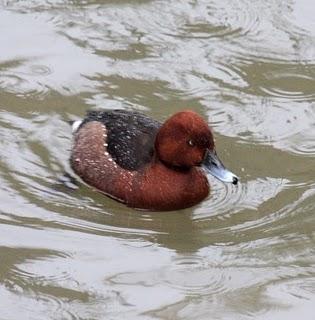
(183,140)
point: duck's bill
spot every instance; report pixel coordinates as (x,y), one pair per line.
(214,166)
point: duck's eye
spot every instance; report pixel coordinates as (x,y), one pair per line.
(191,143)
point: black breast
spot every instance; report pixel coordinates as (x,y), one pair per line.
(130,136)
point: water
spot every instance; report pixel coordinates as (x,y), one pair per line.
(247,252)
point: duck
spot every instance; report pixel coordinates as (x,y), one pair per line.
(146,164)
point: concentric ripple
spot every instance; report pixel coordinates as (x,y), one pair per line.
(294,82)
(247,251)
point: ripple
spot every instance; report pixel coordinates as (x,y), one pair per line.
(190,275)
(56,64)
(249,67)
(205,31)
(301,202)
(223,200)
(286,82)
(283,122)
(220,20)
(281,37)
(302,143)
(196,282)
(227,200)
(239,15)
(23,283)
(40,70)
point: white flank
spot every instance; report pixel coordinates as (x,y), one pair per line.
(76,125)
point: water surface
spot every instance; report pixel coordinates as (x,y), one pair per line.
(247,252)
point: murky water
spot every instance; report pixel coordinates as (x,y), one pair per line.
(245,253)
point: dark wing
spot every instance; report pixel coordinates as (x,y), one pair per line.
(130,136)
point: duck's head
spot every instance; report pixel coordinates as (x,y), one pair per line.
(185,140)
